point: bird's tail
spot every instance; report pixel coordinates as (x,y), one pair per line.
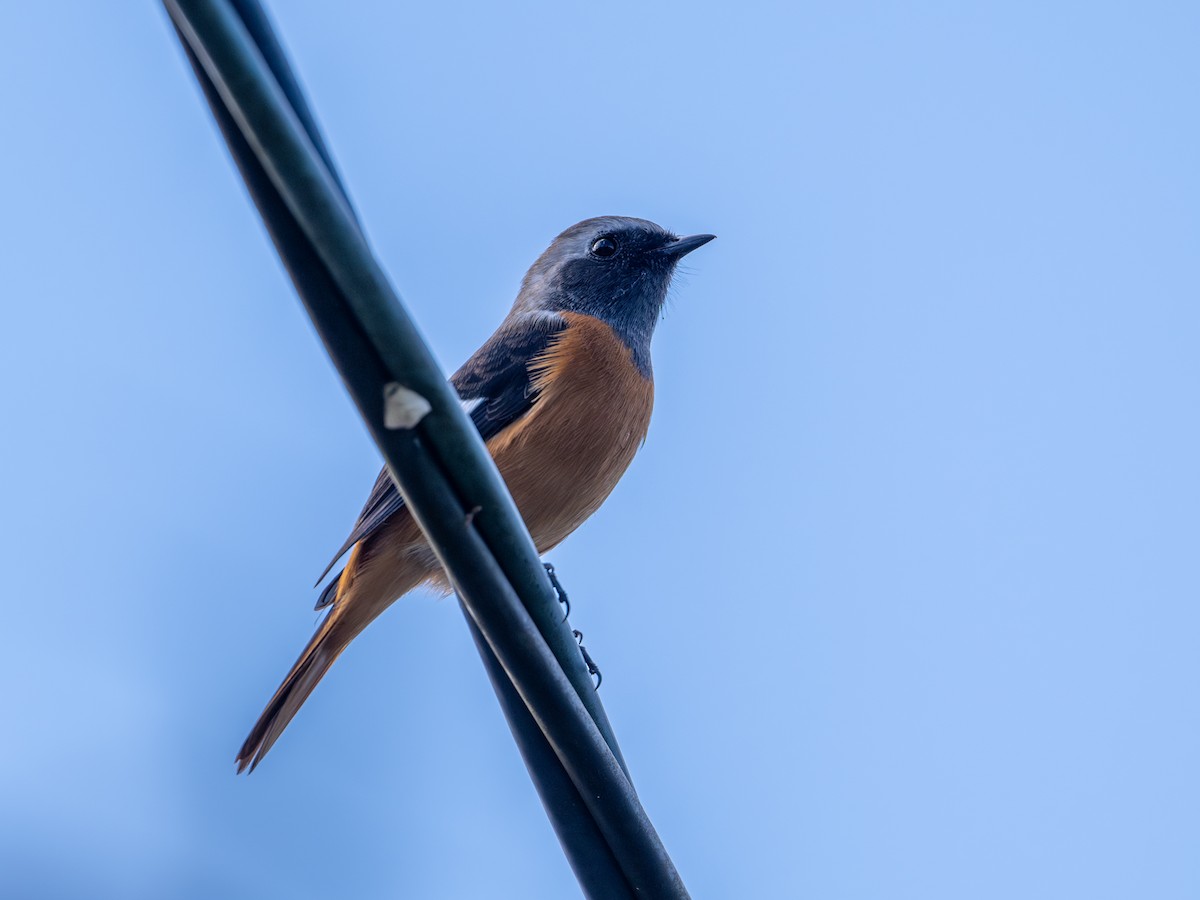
(341,626)
(325,647)
(365,588)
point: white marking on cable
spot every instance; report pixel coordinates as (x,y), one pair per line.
(403,407)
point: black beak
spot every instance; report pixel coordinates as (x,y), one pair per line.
(683,246)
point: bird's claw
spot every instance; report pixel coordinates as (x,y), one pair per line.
(558,589)
(592,668)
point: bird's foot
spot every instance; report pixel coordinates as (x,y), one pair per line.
(592,668)
(558,589)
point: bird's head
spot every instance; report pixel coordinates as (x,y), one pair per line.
(614,268)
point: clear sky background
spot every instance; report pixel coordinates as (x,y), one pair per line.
(900,599)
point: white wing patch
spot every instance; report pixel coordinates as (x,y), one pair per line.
(469,406)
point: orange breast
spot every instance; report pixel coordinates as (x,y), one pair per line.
(566,455)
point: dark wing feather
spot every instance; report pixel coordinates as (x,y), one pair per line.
(498,375)
(383,502)
(329,592)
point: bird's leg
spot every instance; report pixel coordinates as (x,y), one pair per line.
(592,668)
(558,589)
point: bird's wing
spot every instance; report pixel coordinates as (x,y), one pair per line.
(496,389)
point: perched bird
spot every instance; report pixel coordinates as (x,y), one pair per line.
(561,394)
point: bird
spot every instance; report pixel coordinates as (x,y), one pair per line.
(561,394)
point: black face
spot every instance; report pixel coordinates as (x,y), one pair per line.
(619,275)
(614,268)
(617,267)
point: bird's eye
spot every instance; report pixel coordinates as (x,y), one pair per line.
(604,247)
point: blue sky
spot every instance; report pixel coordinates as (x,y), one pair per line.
(899,599)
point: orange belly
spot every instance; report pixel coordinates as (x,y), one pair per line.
(566,455)
(560,461)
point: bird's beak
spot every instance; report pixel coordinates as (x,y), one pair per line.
(685,245)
